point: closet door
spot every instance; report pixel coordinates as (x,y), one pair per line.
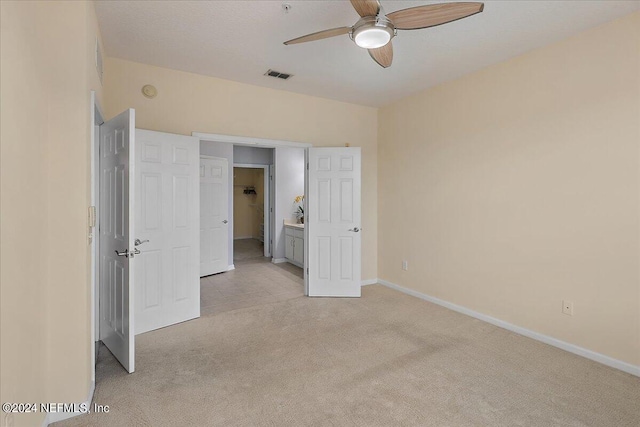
(214,208)
(333,222)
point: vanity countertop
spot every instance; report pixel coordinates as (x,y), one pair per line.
(292,224)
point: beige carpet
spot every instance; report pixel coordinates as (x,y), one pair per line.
(254,282)
(384,359)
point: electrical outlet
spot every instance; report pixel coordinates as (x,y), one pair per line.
(567,308)
(405,265)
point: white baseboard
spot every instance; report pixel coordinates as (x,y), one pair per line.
(54,417)
(571,348)
(278,260)
(231,267)
(368,282)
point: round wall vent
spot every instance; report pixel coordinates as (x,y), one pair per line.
(149,91)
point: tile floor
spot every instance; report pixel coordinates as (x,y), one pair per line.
(245,249)
(255,281)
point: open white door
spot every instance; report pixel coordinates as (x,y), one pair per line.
(167,229)
(214,208)
(117,182)
(333,222)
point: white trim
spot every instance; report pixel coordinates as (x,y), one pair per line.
(369,282)
(297,264)
(251,166)
(278,260)
(247,140)
(231,267)
(272,206)
(97,119)
(94,166)
(571,348)
(54,417)
(305,231)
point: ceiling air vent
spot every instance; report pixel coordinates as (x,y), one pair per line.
(278,74)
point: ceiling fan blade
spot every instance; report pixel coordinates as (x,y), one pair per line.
(432,14)
(383,55)
(366,7)
(320,35)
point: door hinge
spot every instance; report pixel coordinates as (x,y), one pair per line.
(307,166)
(92,216)
(307,271)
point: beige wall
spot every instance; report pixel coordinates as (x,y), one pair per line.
(189,102)
(516,187)
(22,160)
(46,77)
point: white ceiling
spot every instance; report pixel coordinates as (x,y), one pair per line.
(240,40)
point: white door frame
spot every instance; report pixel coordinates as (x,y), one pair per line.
(266,207)
(97,119)
(270,143)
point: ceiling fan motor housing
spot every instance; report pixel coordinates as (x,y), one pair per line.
(372,32)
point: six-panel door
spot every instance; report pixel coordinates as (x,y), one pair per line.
(167,226)
(333,219)
(117,142)
(214,209)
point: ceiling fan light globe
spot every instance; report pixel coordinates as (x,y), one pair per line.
(372,37)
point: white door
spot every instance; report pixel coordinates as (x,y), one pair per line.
(333,222)
(117,165)
(214,208)
(167,229)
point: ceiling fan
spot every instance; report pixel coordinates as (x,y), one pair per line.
(375,30)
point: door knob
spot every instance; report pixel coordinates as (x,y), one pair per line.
(354,229)
(138,242)
(124,253)
(225,221)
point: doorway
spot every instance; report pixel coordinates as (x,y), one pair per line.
(251,206)
(331,234)
(264,181)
